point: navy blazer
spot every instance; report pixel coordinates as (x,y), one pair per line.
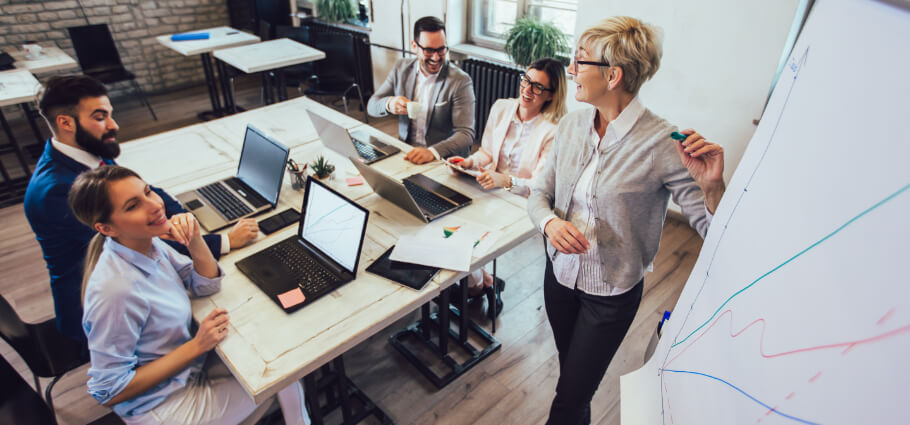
(64,240)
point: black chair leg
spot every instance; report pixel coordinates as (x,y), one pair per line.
(366,116)
(47,392)
(143,98)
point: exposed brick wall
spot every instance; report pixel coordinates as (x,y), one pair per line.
(134,25)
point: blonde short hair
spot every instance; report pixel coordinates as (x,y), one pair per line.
(628,43)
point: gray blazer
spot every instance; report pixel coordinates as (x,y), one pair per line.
(634,181)
(450,117)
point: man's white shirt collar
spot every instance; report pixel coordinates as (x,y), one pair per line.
(89,160)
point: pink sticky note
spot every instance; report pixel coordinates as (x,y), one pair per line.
(354,181)
(291,298)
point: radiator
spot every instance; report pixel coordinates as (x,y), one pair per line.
(491,82)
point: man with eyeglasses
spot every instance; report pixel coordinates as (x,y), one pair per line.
(441,122)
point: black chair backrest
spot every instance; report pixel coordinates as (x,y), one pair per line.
(95,48)
(45,350)
(341,60)
(270,14)
(19,403)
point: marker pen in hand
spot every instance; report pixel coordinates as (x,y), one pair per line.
(679,137)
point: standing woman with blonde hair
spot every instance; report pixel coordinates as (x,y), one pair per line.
(518,135)
(146,364)
(601,201)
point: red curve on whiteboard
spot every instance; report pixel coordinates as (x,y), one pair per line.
(847,346)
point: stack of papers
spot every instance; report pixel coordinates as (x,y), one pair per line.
(449,243)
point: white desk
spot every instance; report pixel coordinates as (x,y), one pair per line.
(268,55)
(219,38)
(267,349)
(51,59)
(17,87)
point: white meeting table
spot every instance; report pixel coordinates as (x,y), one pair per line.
(266,348)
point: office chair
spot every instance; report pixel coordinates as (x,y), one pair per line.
(336,75)
(99,58)
(19,404)
(298,74)
(46,351)
(269,15)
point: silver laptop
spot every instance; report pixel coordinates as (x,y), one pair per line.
(419,195)
(358,145)
(254,189)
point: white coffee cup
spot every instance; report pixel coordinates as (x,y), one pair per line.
(31,50)
(414,109)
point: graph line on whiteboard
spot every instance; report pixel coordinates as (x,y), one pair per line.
(765,405)
(796,67)
(794,257)
(846,345)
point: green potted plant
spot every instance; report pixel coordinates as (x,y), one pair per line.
(336,11)
(322,168)
(531,39)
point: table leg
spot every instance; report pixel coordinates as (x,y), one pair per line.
(225,87)
(14,144)
(444,322)
(343,390)
(30,116)
(213,88)
(312,395)
(282,86)
(463,317)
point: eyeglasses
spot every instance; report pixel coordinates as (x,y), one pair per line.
(429,51)
(536,88)
(576,62)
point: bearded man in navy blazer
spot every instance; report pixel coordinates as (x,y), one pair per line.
(79,113)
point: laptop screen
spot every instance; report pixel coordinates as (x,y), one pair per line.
(262,164)
(333,224)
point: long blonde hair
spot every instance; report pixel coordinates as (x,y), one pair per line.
(90,202)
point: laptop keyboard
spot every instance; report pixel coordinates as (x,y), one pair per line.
(311,276)
(224,201)
(430,202)
(366,151)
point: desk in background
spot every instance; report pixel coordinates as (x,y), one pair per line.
(219,38)
(269,55)
(17,87)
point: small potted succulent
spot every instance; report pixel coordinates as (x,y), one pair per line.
(322,168)
(531,39)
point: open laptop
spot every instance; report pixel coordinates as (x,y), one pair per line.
(359,145)
(321,257)
(417,194)
(254,189)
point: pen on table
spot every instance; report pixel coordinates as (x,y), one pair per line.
(233,32)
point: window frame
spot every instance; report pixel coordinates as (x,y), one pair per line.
(475,15)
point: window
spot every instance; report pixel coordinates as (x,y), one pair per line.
(492,19)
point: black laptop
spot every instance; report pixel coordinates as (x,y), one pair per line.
(321,257)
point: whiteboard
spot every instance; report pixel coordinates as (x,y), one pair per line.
(798,308)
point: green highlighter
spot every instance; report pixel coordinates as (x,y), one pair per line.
(678,136)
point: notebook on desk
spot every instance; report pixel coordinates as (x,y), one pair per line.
(418,194)
(254,189)
(359,145)
(320,258)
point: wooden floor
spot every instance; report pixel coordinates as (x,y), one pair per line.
(513,386)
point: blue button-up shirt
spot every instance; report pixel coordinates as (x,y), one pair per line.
(136,311)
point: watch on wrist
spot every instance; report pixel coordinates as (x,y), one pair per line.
(512,183)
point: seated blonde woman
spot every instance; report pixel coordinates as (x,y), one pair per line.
(517,137)
(147,364)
